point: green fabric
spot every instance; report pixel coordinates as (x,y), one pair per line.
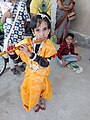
(1,28)
(53,39)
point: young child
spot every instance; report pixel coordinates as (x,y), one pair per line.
(66,52)
(36,87)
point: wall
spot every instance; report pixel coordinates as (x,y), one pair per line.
(82,21)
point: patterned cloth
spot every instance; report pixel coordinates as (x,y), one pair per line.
(65,50)
(36,83)
(19,30)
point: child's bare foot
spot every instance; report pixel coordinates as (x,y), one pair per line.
(42,104)
(36,108)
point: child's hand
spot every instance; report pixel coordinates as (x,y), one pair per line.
(24,48)
(11,48)
(79,57)
(63,63)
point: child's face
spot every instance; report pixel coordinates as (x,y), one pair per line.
(69,40)
(42,31)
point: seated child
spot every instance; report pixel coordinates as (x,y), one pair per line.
(66,52)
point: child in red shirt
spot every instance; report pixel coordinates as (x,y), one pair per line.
(66,52)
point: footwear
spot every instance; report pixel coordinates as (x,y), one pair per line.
(15,71)
(21,68)
(42,104)
(36,108)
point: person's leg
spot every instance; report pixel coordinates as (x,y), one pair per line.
(21,67)
(61,32)
(42,104)
(12,67)
(36,108)
(70,58)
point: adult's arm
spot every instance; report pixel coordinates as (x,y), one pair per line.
(61,6)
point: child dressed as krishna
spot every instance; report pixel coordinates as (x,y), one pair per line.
(36,88)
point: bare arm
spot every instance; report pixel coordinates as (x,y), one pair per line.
(61,6)
(8,14)
(3,19)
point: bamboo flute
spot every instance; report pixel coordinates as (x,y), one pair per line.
(16,48)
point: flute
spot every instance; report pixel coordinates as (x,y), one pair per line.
(16,48)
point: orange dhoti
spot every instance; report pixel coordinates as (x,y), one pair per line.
(34,86)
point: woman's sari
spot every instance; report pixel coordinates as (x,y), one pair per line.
(62,23)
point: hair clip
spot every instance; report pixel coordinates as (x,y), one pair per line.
(43,16)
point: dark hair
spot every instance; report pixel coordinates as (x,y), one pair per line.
(70,34)
(37,20)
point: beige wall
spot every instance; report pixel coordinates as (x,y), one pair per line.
(82,22)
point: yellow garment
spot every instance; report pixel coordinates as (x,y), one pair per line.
(35,6)
(36,83)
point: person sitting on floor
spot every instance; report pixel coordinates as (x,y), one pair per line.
(66,52)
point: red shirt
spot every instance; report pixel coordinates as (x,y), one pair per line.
(65,50)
